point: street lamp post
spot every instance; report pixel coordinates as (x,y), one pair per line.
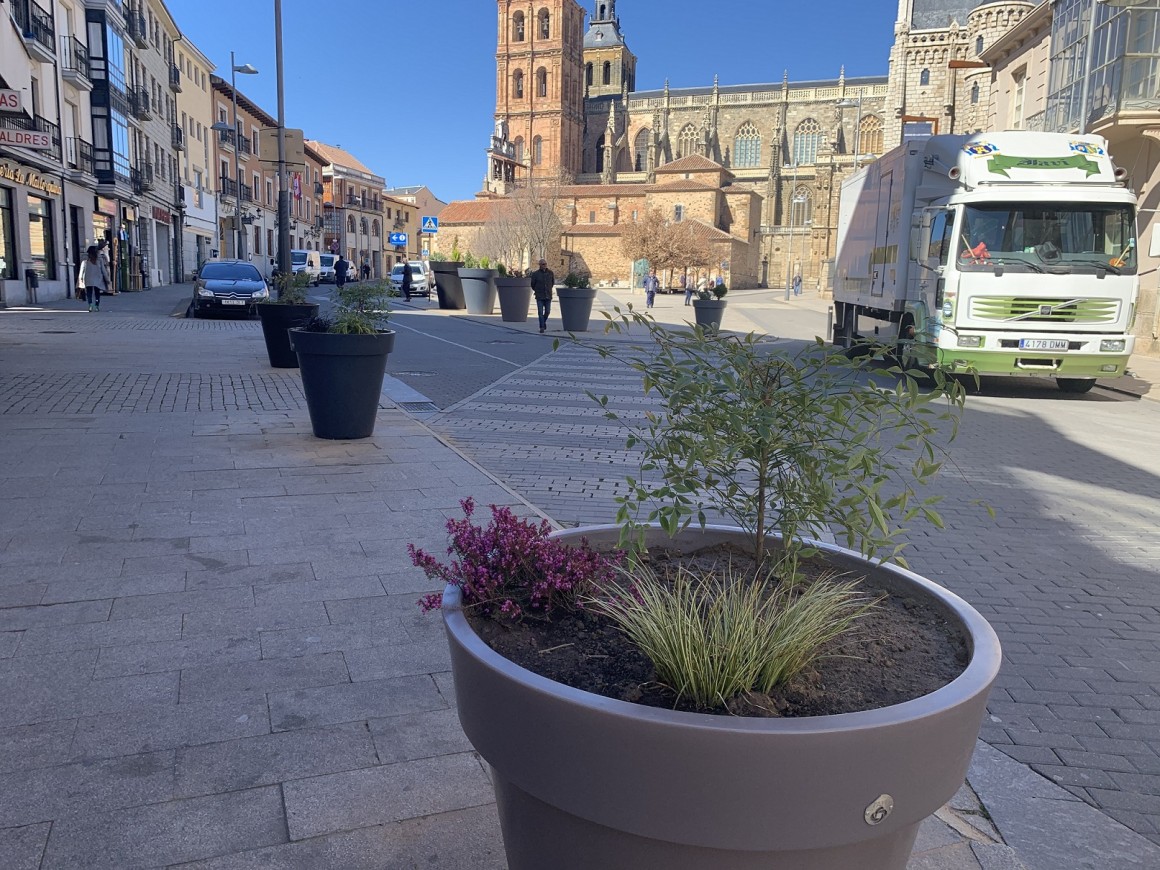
(284,266)
(850,104)
(248,70)
(793,199)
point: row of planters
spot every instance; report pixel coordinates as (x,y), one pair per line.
(475,286)
(666,694)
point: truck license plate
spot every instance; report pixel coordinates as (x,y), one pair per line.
(243,302)
(1043,343)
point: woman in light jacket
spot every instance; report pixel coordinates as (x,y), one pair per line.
(94,277)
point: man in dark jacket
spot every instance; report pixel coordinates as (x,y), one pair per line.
(341,268)
(407,280)
(542,282)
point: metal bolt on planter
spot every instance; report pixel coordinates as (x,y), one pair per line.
(877,812)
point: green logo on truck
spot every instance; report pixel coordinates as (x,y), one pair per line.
(1000,163)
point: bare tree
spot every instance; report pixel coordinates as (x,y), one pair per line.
(666,244)
(526,225)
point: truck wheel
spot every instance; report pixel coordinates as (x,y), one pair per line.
(1075,385)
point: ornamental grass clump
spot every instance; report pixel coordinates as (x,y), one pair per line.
(511,567)
(714,635)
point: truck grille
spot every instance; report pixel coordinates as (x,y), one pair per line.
(1011,308)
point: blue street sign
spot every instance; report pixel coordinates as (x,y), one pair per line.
(398,239)
(430,224)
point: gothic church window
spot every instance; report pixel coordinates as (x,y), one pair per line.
(806,140)
(518,84)
(640,150)
(802,208)
(607,78)
(518,27)
(924,77)
(588,75)
(687,141)
(870,135)
(541,82)
(519,146)
(747,146)
(600,143)
(537,151)
(545,24)
(979,45)
(975,94)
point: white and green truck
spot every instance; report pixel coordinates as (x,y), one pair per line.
(1010,253)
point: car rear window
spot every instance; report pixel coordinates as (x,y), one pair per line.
(297,259)
(328,260)
(230,272)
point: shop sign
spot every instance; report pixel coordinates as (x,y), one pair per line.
(17,174)
(106,206)
(10,101)
(29,139)
(160,215)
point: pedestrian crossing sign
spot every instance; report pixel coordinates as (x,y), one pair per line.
(430,224)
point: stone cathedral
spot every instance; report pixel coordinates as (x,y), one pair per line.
(757,167)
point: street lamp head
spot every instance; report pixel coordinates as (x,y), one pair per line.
(246,70)
(221,127)
(846,104)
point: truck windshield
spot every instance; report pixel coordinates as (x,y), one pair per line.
(1048,237)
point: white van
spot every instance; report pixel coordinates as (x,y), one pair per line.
(308,262)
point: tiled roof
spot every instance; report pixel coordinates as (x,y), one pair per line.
(466,211)
(707,233)
(683,184)
(339,157)
(605,190)
(692,163)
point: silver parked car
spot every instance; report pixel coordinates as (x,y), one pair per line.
(228,285)
(421,278)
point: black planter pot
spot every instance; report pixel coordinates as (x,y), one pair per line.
(342,377)
(515,298)
(447,284)
(277,321)
(478,290)
(708,312)
(576,307)
(629,786)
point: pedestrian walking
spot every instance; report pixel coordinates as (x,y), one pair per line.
(103,257)
(797,285)
(688,287)
(651,284)
(407,280)
(366,270)
(341,269)
(542,283)
(93,278)
(720,280)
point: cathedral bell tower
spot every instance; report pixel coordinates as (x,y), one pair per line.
(539,94)
(609,67)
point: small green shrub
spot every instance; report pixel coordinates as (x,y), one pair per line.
(578,279)
(291,288)
(363,308)
(718,634)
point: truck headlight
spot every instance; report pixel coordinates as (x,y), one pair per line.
(970,341)
(1113,345)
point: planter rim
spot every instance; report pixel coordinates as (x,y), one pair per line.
(445,265)
(477,273)
(709,303)
(563,289)
(981,669)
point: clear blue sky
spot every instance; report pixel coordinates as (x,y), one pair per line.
(409,87)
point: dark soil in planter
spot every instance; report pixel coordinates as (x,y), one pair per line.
(902,649)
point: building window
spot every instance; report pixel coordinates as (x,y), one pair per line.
(591,217)
(640,150)
(634,214)
(518,84)
(350,224)
(1020,79)
(806,140)
(678,213)
(588,75)
(924,78)
(975,94)
(545,24)
(607,74)
(979,45)
(537,151)
(687,141)
(747,146)
(801,208)
(541,82)
(375,231)
(870,135)
(519,146)
(7,236)
(41,243)
(518,27)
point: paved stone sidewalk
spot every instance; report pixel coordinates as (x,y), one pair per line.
(210,654)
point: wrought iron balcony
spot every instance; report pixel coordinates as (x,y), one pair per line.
(227,138)
(247,193)
(142,177)
(227,187)
(178,138)
(244,145)
(139,104)
(79,155)
(135,26)
(175,78)
(36,27)
(319,190)
(74,62)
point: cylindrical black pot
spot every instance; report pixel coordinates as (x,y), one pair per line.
(342,377)
(576,307)
(708,312)
(277,321)
(478,290)
(515,298)
(447,284)
(626,785)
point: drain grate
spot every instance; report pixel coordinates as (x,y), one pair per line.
(501,341)
(58,332)
(419,407)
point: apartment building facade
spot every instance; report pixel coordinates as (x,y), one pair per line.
(353,214)
(196,159)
